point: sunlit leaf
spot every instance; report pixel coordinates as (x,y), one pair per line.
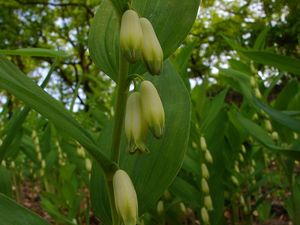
(37,52)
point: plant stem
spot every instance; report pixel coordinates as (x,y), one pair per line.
(114,215)
(122,93)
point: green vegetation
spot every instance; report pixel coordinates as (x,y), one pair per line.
(89,136)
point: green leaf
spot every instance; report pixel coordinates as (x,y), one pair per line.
(15,123)
(261,39)
(238,81)
(151,173)
(233,44)
(240,66)
(290,90)
(215,106)
(5,182)
(120,5)
(104,32)
(181,62)
(182,59)
(280,62)
(17,83)
(38,52)
(279,117)
(15,214)
(262,136)
(187,192)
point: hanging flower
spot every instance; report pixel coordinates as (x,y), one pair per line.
(135,124)
(131,36)
(152,108)
(152,51)
(125,198)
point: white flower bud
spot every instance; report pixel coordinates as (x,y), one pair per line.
(255,116)
(80,152)
(236,166)
(88,164)
(152,51)
(131,36)
(255,213)
(295,135)
(235,180)
(268,125)
(275,136)
(160,207)
(204,170)
(252,170)
(13,165)
(242,200)
(241,157)
(152,108)
(203,143)
(204,215)
(39,156)
(208,203)
(208,157)
(182,208)
(244,149)
(125,198)
(257,93)
(43,164)
(204,186)
(135,124)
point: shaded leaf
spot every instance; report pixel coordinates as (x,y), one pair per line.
(165,154)
(15,214)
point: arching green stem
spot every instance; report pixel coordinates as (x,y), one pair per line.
(120,105)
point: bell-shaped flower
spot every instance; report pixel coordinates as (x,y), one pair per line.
(204,186)
(152,51)
(204,170)
(135,124)
(131,36)
(125,198)
(153,109)
(208,202)
(204,215)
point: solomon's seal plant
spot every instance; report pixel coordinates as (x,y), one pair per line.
(123,34)
(135,34)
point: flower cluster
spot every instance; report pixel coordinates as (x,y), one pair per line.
(207,201)
(144,110)
(138,38)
